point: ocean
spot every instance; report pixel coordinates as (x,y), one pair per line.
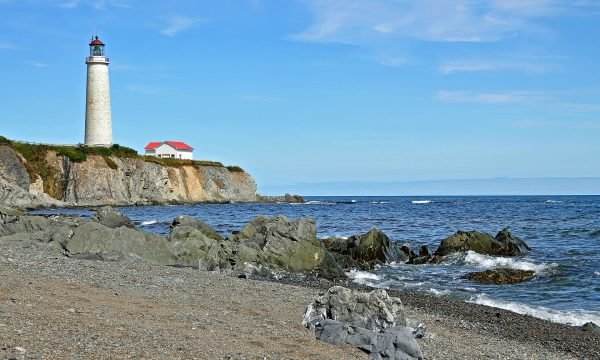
(564,232)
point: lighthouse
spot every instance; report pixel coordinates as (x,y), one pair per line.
(98,121)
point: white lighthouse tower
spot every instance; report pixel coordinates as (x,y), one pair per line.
(98,121)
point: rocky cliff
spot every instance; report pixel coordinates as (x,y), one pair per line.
(98,180)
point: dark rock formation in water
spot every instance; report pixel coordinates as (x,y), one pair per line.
(111,218)
(504,244)
(364,251)
(501,276)
(373,322)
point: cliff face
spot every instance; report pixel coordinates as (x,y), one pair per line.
(124,182)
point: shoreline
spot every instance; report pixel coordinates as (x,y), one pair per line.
(58,306)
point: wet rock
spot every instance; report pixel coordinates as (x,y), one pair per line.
(372,322)
(364,251)
(591,327)
(112,218)
(297,199)
(501,276)
(504,244)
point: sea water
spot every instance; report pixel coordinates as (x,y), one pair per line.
(563,231)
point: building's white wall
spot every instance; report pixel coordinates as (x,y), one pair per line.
(168,151)
(187,155)
(98,120)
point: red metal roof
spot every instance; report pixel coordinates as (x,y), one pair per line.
(96,41)
(153,145)
(178,145)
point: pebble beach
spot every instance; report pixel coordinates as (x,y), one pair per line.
(57,307)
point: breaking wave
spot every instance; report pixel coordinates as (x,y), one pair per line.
(552,201)
(422,201)
(569,317)
(485,261)
(148,222)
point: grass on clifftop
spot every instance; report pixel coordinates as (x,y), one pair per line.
(36,155)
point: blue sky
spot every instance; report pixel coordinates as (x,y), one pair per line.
(305,92)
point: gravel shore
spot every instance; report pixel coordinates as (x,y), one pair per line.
(58,307)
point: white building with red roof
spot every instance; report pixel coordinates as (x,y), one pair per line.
(170,149)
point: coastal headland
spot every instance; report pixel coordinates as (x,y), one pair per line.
(42,176)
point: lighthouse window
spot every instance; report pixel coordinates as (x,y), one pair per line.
(97,50)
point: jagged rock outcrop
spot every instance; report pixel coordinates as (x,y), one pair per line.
(504,244)
(501,276)
(364,251)
(126,181)
(17,188)
(374,322)
(277,244)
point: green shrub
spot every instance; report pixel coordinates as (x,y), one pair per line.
(4,141)
(235,168)
(110,162)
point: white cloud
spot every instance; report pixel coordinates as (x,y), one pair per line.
(489,66)
(489,97)
(178,23)
(6,46)
(71,4)
(359,21)
(38,64)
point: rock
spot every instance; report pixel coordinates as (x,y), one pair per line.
(501,276)
(373,311)
(268,244)
(504,244)
(195,243)
(591,327)
(6,211)
(50,233)
(117,243)
(364,251)
(372,322)
(184,221)
(293,198)
(393,343)
(110,217)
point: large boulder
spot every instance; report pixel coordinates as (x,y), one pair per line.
(364,251)
(110,217)
(501,276)
(196,244)
(504,244)
(397,343)
(93,238)
(374,322)
(50,233)
(375,310)
(182,225)
(277,243)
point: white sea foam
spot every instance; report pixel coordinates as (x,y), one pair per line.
(317,202)
(149,222)
(597,273)
(380,202)
(363,277)
(422,201)
(552,201)
(438,293)
(485,261)
(569,317)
